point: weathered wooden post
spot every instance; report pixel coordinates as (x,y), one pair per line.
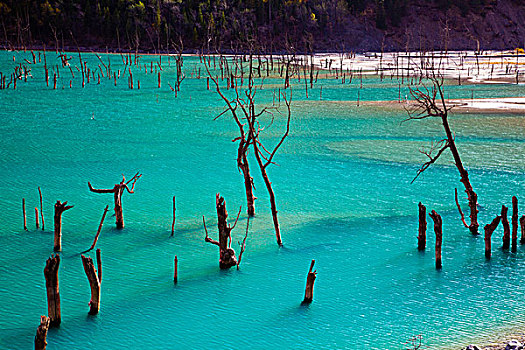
(24,213)
(41,333)
(438,223)
(94,283)
(514,224)
(310,279)
(175,273)
(422,235)
(489,229)
(59,209)
(506,227)
(117,191)
(53,293)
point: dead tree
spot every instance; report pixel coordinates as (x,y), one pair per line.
(53,293)
(41,333)
(310,279)
(227,257)
(506,227)
(489,229)
(430,103)
(244,139)
(117,191)
(98,231)
(522,225)
(514,224)
(422,234)
(59,209)
(438,224)
(94,284)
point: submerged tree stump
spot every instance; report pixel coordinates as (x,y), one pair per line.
(506,227)
(94,283)
(24,213)
(59,209)
(422,235)
(117,191)
(175,273)
(227,256)
(489,229)
(310,279)
(41,333)
(53,294)
(438,223)
(514,224)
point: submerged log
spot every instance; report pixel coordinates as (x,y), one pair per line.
(506,227)
(310,279)
(41,333)
(227,256)
(422,235)
(94,283)
(489,229)
(59,209)
(438,223)
(53,293)
(514,224)
(117,191)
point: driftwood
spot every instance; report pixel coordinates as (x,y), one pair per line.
(59,209)
(422,234)
(438,223)
(489,229)
(514,224)
(98,231)
(227,257)
(94,283)
(41,333)
(310,279)
(117,191)
(506,227)
(53,294)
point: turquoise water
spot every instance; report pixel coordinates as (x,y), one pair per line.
(343,194)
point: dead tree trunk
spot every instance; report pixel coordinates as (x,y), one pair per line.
(24,213)
(173,222)
(117,191)
(506,227)
(427,105)
(522,224)
(514,224)
(175,270)
(310,279)
(98,231)
(41,333)
(489,229)
(422,235)
(41,208)
(53,294)
(439,234)
(227,257)
(59,209)
(94,283)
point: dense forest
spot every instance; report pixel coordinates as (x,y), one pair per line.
(276,25)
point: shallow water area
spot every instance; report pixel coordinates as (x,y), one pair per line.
(343,193)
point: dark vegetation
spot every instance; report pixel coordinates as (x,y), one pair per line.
(268,25)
